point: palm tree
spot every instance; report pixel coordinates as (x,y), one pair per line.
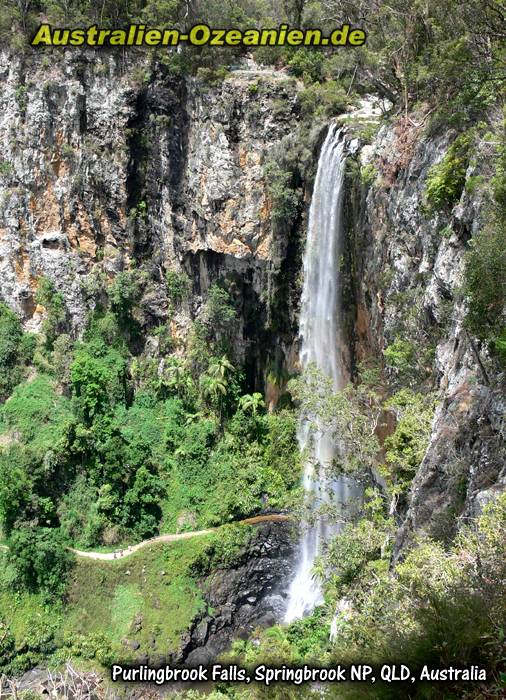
(214,384)
(220,367)
(252,403)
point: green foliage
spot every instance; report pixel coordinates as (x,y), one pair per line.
(159,589)
(226,549)
(5,168)
(212,76)
(409,356)
(11,338)
(323,100)
(360,548)
(54,305)
(349,415)
(34,419)
(178,286)
(125,294)
(36,412)
(7,647)
(400,357)
(40,560)
(307,63)
(485,285)
(406,447)
(446,180)
(499,178)
(252,403)
(218,386)
(98,375)
(368,174)
(219,310)
(62,357)
(103,604)
(216,479)
(213,331)
(437,607)
(284,196)
(28,626)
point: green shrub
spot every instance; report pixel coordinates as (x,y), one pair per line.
(11,335)
(5,168)
(485,285)
(406,447)
(323,100)
(54,304)
(178,286)
(37,412)
(399,355)
(284,196)
(219,310)
(226,549)
(499,178)
(40,559)
(125,293)
(307,63)
(98,375)
(446,180)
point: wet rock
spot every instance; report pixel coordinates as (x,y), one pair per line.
(247,595)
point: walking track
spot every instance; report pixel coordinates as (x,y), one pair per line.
(121,553)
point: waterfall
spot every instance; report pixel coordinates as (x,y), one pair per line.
(320,329)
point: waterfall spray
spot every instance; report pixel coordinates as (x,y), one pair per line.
(320,330)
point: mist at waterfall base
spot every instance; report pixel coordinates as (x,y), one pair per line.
(320,326)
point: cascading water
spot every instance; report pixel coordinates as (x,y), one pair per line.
(320,329)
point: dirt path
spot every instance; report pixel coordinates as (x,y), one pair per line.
(121,553)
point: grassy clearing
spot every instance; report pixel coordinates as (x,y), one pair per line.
(150,598)
(115,610)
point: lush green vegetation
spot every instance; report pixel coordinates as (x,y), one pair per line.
(115,437)
(486,286)
(485,273)
(445,53)
(16,351)
(106,443)
(446,180)
(152,595)
(437,607)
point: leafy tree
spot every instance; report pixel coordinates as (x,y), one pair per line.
(284,195)
(125,294)
(142,502)
(176,380)
(219,311)
(16,485)
(252,403)
(349,416)
(178,286)
(218,386)
(406,446)
(40,559)
(54,303)
(485,285)
(11,334)
(98,376)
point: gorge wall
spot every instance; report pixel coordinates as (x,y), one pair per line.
(409,277)
(106,160)
(109,160)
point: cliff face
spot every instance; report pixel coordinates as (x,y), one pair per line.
(105,160)
(410,265)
